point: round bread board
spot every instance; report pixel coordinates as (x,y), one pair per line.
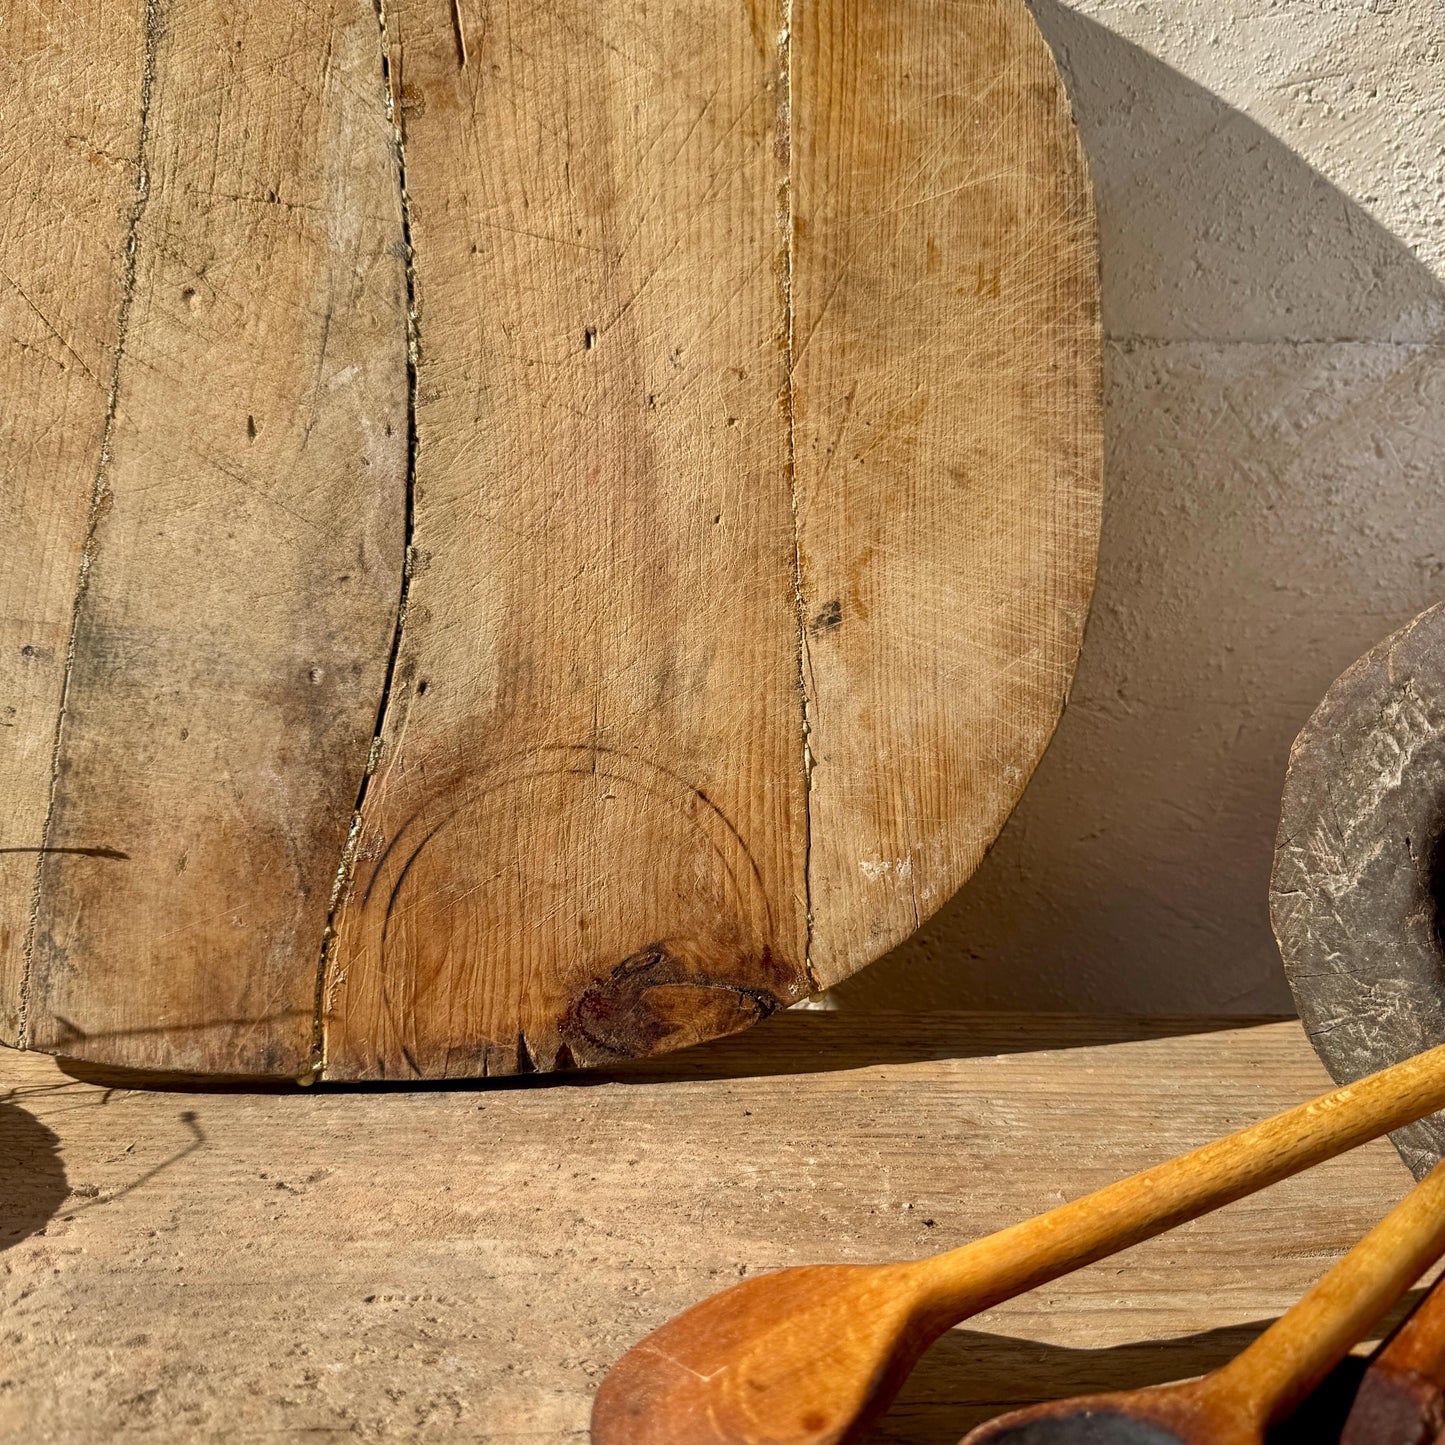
(546,533)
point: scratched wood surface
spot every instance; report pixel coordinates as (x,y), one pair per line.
(586,833)
(243,548)
(69,184)
(945,364)
(404,1264)
(579,529)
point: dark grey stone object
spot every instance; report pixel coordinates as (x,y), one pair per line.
(1359,867)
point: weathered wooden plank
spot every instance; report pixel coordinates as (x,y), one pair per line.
(585,838)
(234,624)
(72,79)
(946,398)
(398,1265)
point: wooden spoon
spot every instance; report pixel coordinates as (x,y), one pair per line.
(813,1356)
(1401,1400)
(1235,1405)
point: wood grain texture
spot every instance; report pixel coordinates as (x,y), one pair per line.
(397,1264)
(1356,891)
(243,568)
(72,81)
(589,837)
(945,355)
(585,836)
(585,536)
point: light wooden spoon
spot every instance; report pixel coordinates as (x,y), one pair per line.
(813,1356)
(1237,1404)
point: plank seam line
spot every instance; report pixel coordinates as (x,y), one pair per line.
(347,863)
(785,225)
(98,497)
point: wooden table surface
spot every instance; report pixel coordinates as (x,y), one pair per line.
(423,1263)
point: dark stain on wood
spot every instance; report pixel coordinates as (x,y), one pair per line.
(828,619)
(637,1009)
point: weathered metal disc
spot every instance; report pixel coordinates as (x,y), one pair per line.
(1359,865)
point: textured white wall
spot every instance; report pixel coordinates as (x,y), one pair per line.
(1271,190)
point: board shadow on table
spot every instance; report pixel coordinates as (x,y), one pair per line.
(969,1377)
(32,1175)
(796,1041)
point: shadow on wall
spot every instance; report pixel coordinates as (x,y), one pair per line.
(32,1178)
(1275,444)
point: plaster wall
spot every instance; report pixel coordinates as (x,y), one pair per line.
(1270,180)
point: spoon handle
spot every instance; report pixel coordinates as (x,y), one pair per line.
(1000,1266)
(1290,1358)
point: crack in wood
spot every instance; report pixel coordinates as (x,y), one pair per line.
(391,91)
(112,853)
(785,226)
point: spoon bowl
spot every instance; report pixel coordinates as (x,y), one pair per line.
(1101,1427)
(810,1355)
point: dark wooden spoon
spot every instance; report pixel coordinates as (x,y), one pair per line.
(1401,1399)
(1236,1405)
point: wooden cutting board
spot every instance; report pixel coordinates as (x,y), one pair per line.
(536,534)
